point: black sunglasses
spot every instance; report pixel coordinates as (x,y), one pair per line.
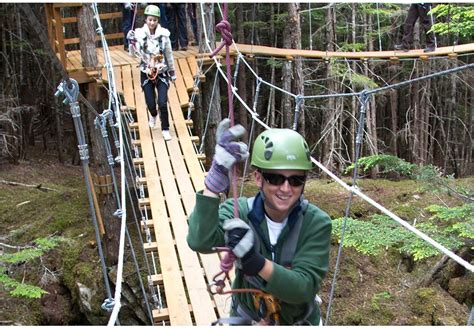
(279,179)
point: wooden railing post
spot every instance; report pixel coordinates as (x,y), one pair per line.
(59,40)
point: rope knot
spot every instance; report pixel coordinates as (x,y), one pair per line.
(224,28)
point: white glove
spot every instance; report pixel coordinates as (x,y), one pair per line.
(131,35)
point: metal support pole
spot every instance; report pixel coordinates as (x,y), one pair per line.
(71,93)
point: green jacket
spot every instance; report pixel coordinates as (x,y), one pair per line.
(294,287)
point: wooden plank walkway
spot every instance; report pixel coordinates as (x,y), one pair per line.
(173,174)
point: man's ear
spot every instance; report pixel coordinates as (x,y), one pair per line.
(258,179)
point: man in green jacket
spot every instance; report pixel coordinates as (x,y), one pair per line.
(281,242)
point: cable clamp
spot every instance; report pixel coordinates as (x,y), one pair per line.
(118,213)
(108,304)
(118,159)
(83,152)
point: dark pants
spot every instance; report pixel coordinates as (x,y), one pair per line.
(176,14)
(417,11)
(192,17)
(163,17)
(127,18)
(150,98)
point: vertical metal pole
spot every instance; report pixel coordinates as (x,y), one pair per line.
(364,98)
(71,92)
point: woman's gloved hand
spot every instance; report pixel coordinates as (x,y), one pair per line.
(228,152)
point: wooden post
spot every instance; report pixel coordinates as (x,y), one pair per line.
(58,29)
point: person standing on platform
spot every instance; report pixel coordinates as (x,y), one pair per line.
(192,18)
(417,10)
(153,46)
(176,13)
(127,21)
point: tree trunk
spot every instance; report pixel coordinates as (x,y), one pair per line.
(329,125)
(212,106)
(87,37)
(298,87)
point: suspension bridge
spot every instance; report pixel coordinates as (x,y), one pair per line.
(168,173)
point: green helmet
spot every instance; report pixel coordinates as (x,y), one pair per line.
(281,149)
(152,10)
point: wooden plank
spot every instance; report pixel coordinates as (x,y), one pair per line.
(118,79)
(106,16)
(186,73)
(126,58)
(211,262)
(181,89)
(174,289)
(130,92)
(150,247)
(111,36)
(192,162)
(196,286)
(280,52)
(193,65)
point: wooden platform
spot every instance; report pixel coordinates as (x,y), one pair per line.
(388,54)
(173,174)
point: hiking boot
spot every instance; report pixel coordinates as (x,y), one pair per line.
(400,47)
(152,121)
(429,49)
(166,135)
(184,48)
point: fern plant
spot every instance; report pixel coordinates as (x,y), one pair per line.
(381,232)
(386,163)
(21,289)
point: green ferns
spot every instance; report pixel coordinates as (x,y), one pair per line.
(386,163)
(20,289)
(381,232)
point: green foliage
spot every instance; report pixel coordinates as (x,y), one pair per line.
(348,46)
(432,179)
(273,62)
(460,20)
(339,69)
(381,232)
(458,220)
(386,163)
(377,298)
(19,289)
(42,246)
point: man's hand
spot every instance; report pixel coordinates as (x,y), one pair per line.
(228,152)
(240,238)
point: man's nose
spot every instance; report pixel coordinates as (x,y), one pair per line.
(285,186)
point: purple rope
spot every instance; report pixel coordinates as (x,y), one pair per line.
(227,262)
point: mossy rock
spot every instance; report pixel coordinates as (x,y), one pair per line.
(461,289)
